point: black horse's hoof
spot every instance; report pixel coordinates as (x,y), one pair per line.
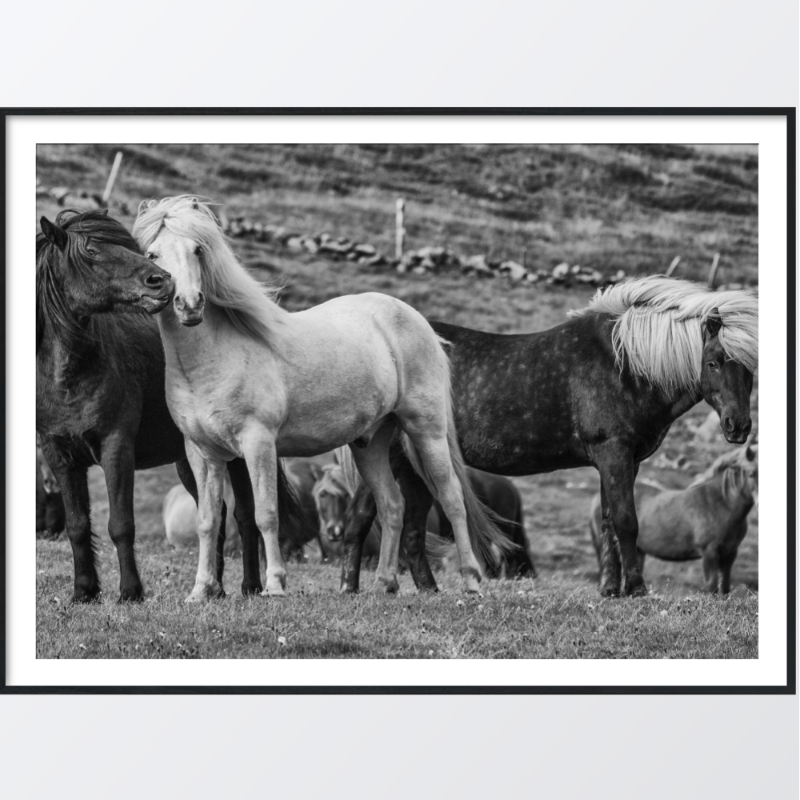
(609,591)
(639,590)
(249,589)
(133,594)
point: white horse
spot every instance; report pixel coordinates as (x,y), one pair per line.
(257,382)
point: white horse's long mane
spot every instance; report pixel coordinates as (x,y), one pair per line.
(249,305)
(660,327)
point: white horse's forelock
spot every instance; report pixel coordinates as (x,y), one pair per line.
(249,305)
(735,468)
(660,327)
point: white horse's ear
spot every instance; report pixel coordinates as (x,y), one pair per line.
(195,203)
(750,453)
(316,471)
(144,205)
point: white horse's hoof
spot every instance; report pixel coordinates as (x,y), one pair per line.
(387,585)
(276,586)
(472,581)
(205,592)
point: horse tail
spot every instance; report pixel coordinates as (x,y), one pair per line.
(488,541)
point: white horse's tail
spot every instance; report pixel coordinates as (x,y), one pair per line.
(488,541)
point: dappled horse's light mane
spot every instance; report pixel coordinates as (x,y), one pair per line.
(333,482)
(660,327)
(249,305)
(735,468)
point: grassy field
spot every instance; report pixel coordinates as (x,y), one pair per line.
(591,208)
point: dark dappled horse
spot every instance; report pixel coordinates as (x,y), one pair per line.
(100,396)
(602,389)
(706,520)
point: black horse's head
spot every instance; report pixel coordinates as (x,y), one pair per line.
(97,265)
(726,385)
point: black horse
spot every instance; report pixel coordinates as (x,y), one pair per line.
(100,396)
(602,389)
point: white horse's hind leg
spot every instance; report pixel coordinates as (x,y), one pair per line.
(210,476)
(261,459)
(434,454)
(373,464)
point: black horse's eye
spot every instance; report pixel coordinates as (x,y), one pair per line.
(92,252)
(712,365)
(198,251)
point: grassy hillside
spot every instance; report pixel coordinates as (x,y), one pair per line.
(632,207)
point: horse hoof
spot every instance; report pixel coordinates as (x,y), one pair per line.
(132,595)
(206,592)
(251,589)
(345,589)
(471,579)
(640,590)
(85,597)
(609,591)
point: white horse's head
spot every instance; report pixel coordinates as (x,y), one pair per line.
(178,236)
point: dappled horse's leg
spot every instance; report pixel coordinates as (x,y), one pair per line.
(617,475)
(373,465)
(711,568)
(726,566)
(118,462)
(187,479)
(245,513)
(75,491)
(418,502)
(608,553)
(358,519)
(210,477)
(262,464)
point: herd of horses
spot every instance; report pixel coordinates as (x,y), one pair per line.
(157,347)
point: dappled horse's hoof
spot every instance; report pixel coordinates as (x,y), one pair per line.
(471,579)
(86,596)
(637,590)
(609,591)
(206,592)
(345,588)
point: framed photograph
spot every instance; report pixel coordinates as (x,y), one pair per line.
(400,401)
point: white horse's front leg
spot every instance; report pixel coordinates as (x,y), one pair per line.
(261,458)
(210,475)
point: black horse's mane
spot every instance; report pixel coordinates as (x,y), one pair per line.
(53,308)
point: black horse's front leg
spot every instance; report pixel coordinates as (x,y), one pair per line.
(74,487)
(118,462)
(617,474)
(244,512)
(358,519)
(190,484)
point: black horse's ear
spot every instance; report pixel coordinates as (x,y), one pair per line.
(713,323)
(104,212)
(53,233)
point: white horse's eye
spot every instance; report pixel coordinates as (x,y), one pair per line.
(152,256)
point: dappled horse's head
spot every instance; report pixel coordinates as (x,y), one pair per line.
(725,383)
(182,235)
(94,262)
(331,496)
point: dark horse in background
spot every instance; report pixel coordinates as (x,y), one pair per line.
(50,513)
(501,497)
(600,390)
(100,396)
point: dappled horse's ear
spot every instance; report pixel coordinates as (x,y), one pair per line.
(54,233)
(713,323)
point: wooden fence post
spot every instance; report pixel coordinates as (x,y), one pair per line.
(400,230)
(713,274)
(112,177)
(673,265)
